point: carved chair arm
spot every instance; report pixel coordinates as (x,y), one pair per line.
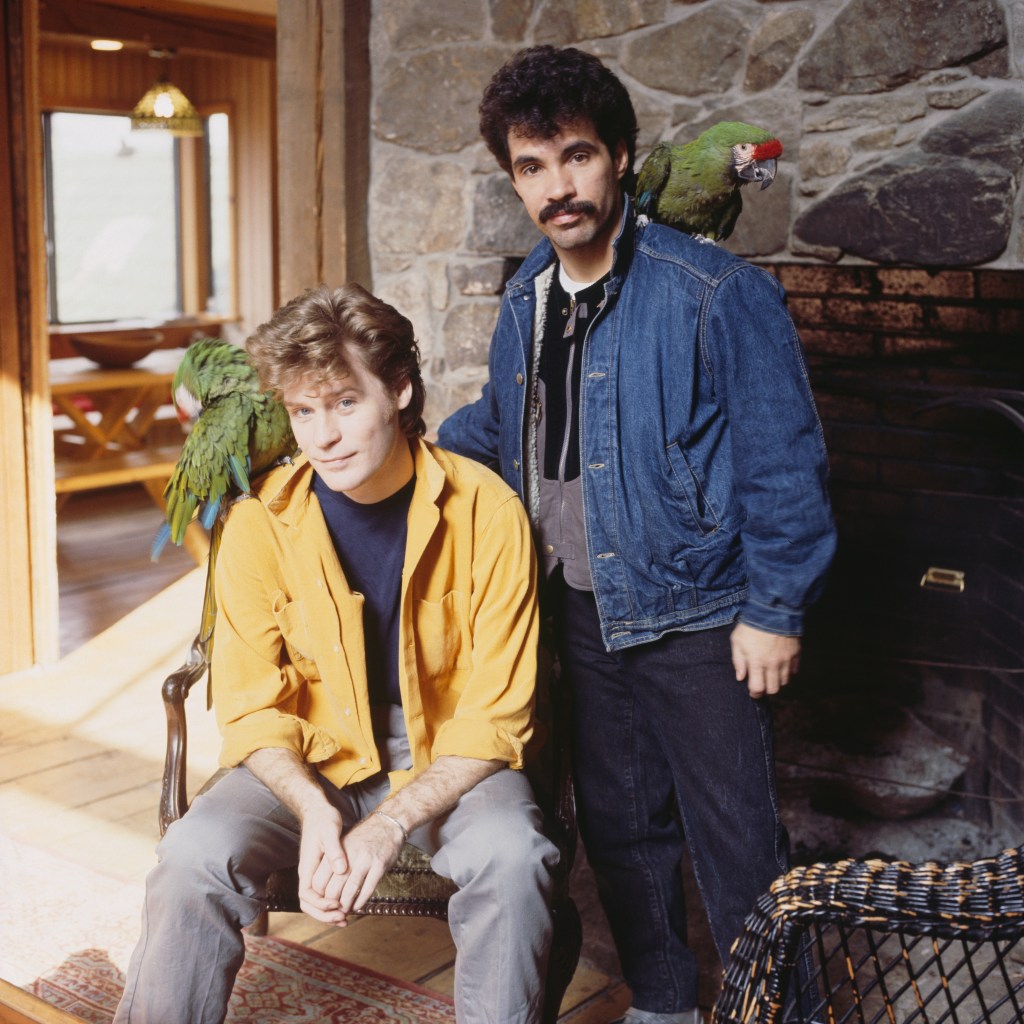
(176,687)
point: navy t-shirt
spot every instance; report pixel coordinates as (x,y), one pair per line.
(370,541)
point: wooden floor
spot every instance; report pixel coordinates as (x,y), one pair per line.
(81,745)
(103,564)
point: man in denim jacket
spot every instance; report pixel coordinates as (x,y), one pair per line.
(648,399)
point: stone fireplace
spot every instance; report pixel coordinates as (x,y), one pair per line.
(916,372)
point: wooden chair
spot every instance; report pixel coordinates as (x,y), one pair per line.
(410,888)
(883,942)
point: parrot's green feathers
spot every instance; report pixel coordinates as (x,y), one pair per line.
(696,187)
(238,431)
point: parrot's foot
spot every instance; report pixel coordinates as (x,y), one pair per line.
(704,240)
(642,220)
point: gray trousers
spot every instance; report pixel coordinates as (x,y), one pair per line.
(211,879)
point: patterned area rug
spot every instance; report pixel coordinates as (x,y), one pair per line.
(279,982)
(66,934)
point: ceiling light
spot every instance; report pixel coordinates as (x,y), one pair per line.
(107,44)
(166,108)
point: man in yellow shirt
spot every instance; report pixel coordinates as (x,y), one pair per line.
(374,668)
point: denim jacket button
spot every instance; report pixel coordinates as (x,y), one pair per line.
(515,464)
(519,378)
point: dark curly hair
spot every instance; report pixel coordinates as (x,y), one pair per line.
(541,90)
(304,339)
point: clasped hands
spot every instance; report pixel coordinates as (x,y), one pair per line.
(338,871)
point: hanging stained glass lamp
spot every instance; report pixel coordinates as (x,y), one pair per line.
(166,108)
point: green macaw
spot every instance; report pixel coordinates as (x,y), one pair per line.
(696,187)
(237,431)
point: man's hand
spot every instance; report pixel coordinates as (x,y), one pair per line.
(765,660)
(369,850)
(295,784)
(374,844)
(321,858)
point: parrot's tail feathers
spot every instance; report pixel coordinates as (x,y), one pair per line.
(209,620)
(163,535)
(239,472)
(209,616)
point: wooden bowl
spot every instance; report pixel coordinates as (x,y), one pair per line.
(116,348)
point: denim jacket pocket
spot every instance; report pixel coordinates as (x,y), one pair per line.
(686,484)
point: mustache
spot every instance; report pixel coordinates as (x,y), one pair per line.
(566,206)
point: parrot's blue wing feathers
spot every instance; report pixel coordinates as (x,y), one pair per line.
(208,513)
(163,535)
(240,472)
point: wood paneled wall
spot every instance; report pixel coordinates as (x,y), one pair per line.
(73,77)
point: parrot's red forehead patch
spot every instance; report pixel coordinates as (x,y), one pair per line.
(768,150)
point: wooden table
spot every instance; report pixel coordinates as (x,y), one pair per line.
(111,440)
(112,413)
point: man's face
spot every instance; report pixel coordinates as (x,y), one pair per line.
(571,187)
(349,429)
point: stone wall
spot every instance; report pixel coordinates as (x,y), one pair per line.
(902,122)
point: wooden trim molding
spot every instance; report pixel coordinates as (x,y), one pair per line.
(28,543)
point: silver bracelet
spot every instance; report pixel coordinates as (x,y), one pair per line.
(395,821)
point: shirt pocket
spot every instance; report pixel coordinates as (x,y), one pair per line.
(298,648)
(440,633)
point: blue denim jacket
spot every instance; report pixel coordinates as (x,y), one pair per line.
(701,452)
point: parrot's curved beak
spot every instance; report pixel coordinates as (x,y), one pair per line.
(759,170)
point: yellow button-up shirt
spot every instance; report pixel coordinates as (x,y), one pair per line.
(288,658)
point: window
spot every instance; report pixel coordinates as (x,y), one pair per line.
(221,292)
(138,223)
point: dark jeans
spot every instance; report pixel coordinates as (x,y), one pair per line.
(663,734)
